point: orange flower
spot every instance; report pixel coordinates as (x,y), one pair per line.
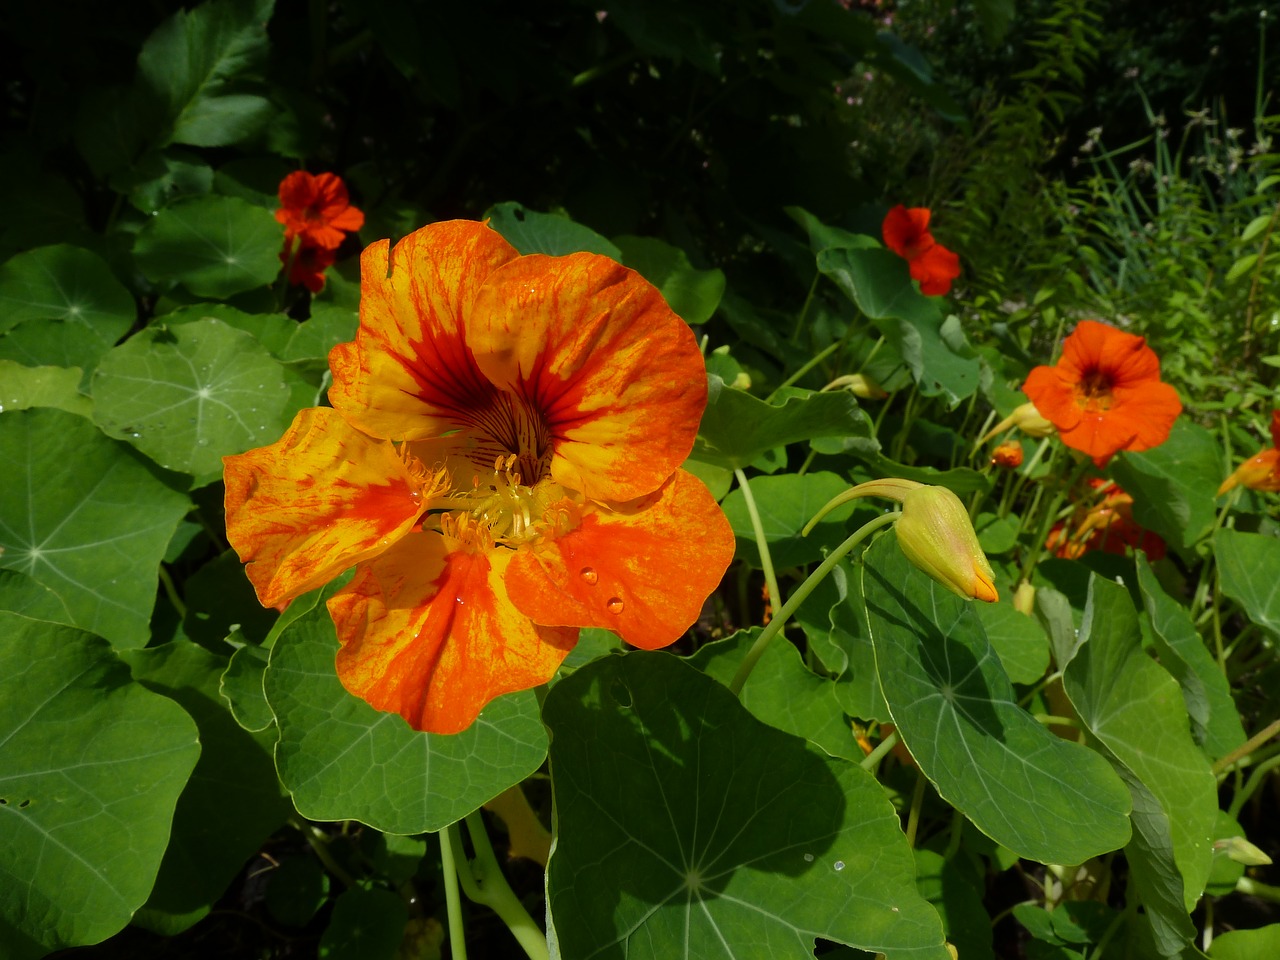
(501,466)
(1262,471)
(906,233)
(1105,394)
(316,211)
(1106,524)
(1007,455)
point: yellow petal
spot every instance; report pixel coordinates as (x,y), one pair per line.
(317,501)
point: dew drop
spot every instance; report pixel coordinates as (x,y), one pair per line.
(589,576)
(808,858)
(459,600)
(614,605)
(839,865)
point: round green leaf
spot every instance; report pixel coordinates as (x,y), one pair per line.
(22,388)
(214,246)
(87,517)
(66,283)
(1045,798)
(343,760)
(688,828)
(91,765)
(532,232)
(186,396)
(692,293)
(785,503)
(1019,641)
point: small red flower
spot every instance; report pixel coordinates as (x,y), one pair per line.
(316,209)
(308,266)
(1007,455)
(1105,394)
(1261,471)
(906,233)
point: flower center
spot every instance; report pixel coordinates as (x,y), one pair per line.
(503,511)
(1093,392)
(508,426)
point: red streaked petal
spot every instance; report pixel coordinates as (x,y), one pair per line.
(317,501)
(410,374)
(659,558)
(428,632)
(616,375)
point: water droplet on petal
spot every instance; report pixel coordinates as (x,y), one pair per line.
(614,605)
(839,865)
(589,576)
(459,600)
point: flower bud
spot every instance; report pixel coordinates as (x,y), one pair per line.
(1007,455)
(1024,599)
(1027,419)
(860,385)
(1257,473)
(937,536)
(1242,851)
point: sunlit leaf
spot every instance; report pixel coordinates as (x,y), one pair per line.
(343,760)
(22,388)
(188,395)
(91,765)
(1044,798)
(1247,944)
(1247,563)
(87,517)
(1173,485)
(1135,708)
(214,246)
(785,503)
(65,283)
(737,427)
(532,232)
(687,828)
(1019,641)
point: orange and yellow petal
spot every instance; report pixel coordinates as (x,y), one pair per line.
(1260,472)
(427,631)
(410,373)
(643,570)
(1124,358)
(317,501)
(592,347)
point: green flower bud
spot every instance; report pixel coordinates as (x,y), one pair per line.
(937,536)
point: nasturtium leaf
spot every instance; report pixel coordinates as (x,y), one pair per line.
(214,246)
(364,925)
(1019,641)
(959,480)
(1173,485)
(22,388)
(1247,944)
(1044,798)
(220,599)
(87,517)
(22,594)
(91,765)
(187,395)
(1247,564)
(737,427)
(242,688)
(195,63)
(692,293)
(958,900)
(782,692)
(785,503)
(329,326)
(232,802)
(159,179)
(70,284)
(532,232)
(823,236)
(1136,710)
(343,760)
(272,330)
(877,281)
(688,828)
(1215,720)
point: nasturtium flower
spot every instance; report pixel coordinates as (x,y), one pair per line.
(1261,471)
(307,265)
(1103,522)
(1105,394)
(316,210)
(906,233)
(501,465)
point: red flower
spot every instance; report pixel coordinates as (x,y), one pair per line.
(316,209)
(1106,525)
(906,233)
(1007,455)
(308,266)
(1262,471)
(1105,394)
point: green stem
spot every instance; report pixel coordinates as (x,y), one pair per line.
(875,756)
(1047,518)
(821,355)
(757,528)
(1256,778)
(780,618)
(1250,745)
(1256,888)
(453,903)
(483,882)
(917,801)
(319,844)
(171,591)
(804,310)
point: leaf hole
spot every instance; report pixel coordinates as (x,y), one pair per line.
(621,695)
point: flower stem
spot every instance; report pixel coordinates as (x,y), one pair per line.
(484,883)
(757,528)
(457,933)
(801,593)
(821,355)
